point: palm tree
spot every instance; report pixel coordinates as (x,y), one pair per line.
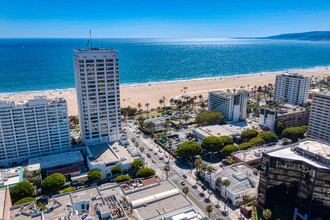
(185,191)
(209,209)
(209,171)
(267,214)
(186,118)
(228,90)
(161,101)
(167,169)
(139,105)
(147,105)
(200,97)
(234,90)
(133,140)
(171,101)
(254,205)
(219,181)
(226,183)
(141,149)
(136,144)
(204,167)
(164,99)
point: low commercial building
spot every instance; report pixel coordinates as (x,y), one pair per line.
(161,201)
(296,178)
(231,130)
(104,157)
(253,155)
(288,115)
(244,180)
(70,164)
(10,177)
(231,105)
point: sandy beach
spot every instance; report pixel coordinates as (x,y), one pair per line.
(131,95)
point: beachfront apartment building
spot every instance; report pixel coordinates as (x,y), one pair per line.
(292,88)
(33,128)
(231,105)
(98,96)
(319,122)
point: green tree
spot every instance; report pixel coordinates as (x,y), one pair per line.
(137,164)
(257,141)
(279,127)
(116,170)
(267,214)
(145,172)
(69,189)
(305,128)
(94,175)
(167,169)
(209,118)
(185,190)
(249,134)
(122,178)
(141,149)
(226,140)
(189,149)
(227,150)
(150,126)
(147,105)
(212,144)
(246,198)
(209,209)
(245,146)
(21,190)
(293,133)
(268,136)
(226,183)
(25,200)
(52,183)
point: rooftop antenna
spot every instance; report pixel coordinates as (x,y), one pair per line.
(90,37)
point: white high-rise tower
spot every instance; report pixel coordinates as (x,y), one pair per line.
(292,88)
(97,86)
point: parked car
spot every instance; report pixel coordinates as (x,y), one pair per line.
(153,161)
(183,183)
(199,183)
(166,155)
(184,176)
(148,155)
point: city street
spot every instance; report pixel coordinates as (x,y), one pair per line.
(196,195)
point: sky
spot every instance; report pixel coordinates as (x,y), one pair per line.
(160,18)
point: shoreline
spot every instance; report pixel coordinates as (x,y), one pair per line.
(173,81)
(152,92)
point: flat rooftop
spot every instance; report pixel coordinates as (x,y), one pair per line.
(55,160)
(242,177)
(161,206)
(11,176)
(114,152)
(36,101)
(311,152)
(255,152)
(221,130)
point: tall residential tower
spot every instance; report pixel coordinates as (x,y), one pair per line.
(231,106)
(33,128)
(97,86)
(319,122)
(292,89)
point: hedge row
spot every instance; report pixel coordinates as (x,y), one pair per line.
(165,148)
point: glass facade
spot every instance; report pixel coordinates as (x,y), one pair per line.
(295,184)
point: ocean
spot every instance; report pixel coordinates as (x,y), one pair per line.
(47,64)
